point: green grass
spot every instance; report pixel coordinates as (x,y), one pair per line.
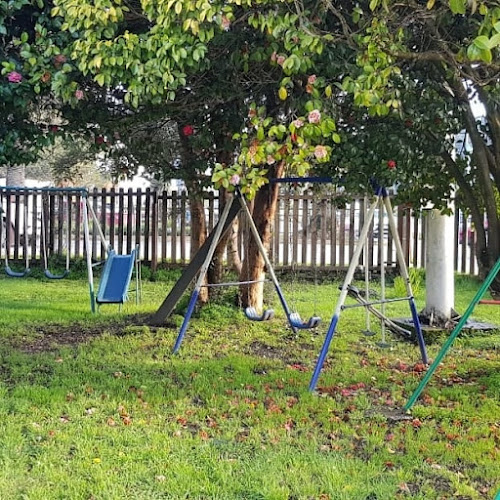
(98,407)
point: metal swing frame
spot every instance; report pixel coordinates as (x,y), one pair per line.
(201,262)
(382,200)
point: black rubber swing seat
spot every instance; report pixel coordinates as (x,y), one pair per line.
(297,322)
(251,314)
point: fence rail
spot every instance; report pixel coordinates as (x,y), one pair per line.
(309,230)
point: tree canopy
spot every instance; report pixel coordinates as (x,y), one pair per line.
(359,90)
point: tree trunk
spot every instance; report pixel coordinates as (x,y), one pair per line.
(198,224)
(440,279)
(16,176)
(263,214)
(233,251)
(216,269)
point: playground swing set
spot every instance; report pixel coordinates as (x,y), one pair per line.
(201,261)
(118,269)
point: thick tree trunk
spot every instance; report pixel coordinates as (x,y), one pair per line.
(16,175)
(485,160)
(233,251)
(198,224)
(216,269)
(440,279)
(253,264)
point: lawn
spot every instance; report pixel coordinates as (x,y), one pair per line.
(97,407)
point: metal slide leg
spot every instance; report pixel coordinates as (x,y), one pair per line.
(88,251)
(263,252)
(343,294)
(406,278)
(453,335)
(201,276)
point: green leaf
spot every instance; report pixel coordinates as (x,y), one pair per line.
(482,42)
(458,6)
(100,79)
(495,41)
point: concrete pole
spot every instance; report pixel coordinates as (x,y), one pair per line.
(440,279)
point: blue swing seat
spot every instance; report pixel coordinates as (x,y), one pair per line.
(251,314)
(297,322)
(16,274)
(51,276)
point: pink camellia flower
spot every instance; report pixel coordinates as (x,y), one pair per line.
(14,77)
(234,180)
(320,152)
(54,128)
(59,60)
(187,130)
(225,22)
(280,60)
(79,94)
(314,116)
(297,123)
(274,56)
(311,79)
(391,164)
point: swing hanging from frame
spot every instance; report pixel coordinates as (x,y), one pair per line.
(294,318)
(8,270)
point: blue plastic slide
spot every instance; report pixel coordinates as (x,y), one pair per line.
(115,279)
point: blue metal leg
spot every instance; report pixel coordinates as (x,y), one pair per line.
(187,317)
(418,330)
(323,353)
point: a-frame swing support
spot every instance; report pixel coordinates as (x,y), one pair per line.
(200,264)
(384,202)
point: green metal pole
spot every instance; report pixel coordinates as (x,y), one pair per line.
(453,335)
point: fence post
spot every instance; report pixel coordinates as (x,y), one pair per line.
(154,232)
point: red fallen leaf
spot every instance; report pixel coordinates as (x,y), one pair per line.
(401,366)
(126,420)
(389,464)
(298,367)
(345,393)
(417,423)
(389,437)
(211,422)
(182,421)
(419,367)
(364,362)
(52,433)
(289,425)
